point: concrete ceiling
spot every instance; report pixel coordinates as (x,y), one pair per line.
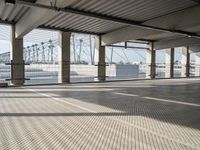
(185,20)
(115,20)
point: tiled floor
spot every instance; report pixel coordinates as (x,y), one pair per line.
(158,114)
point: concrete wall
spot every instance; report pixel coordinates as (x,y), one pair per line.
(89,70)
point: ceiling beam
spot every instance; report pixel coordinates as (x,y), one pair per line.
(67,30)
(195,48)
(131,33)
(52,28)
(178,42)
(36,16)
(127,22)
(186,20)
(6,22)
(106,17)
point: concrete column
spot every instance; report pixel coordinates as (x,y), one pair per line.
(185,71)
(167,63)
(197,64)
(17,62)
(151,57)
(169,60)
(96,51)
(187,62)
(101,63)
(172,63)
(64,57)
(148,63)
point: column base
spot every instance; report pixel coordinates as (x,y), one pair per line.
(17,83)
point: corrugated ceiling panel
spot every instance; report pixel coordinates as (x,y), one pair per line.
(2,6)
(139,10)
(15,11)
(21,13)
(83,23)
(10,12)
(7,10)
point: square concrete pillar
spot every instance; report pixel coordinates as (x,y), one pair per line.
(96,50)
(197,64)
(151,62)
(101,63)
(17,62)
(169,61)
(64,57)
(148,63)
(185,71)
(187,62)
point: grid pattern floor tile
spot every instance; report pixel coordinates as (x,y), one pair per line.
(142,115)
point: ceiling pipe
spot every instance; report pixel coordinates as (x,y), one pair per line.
(106,17)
